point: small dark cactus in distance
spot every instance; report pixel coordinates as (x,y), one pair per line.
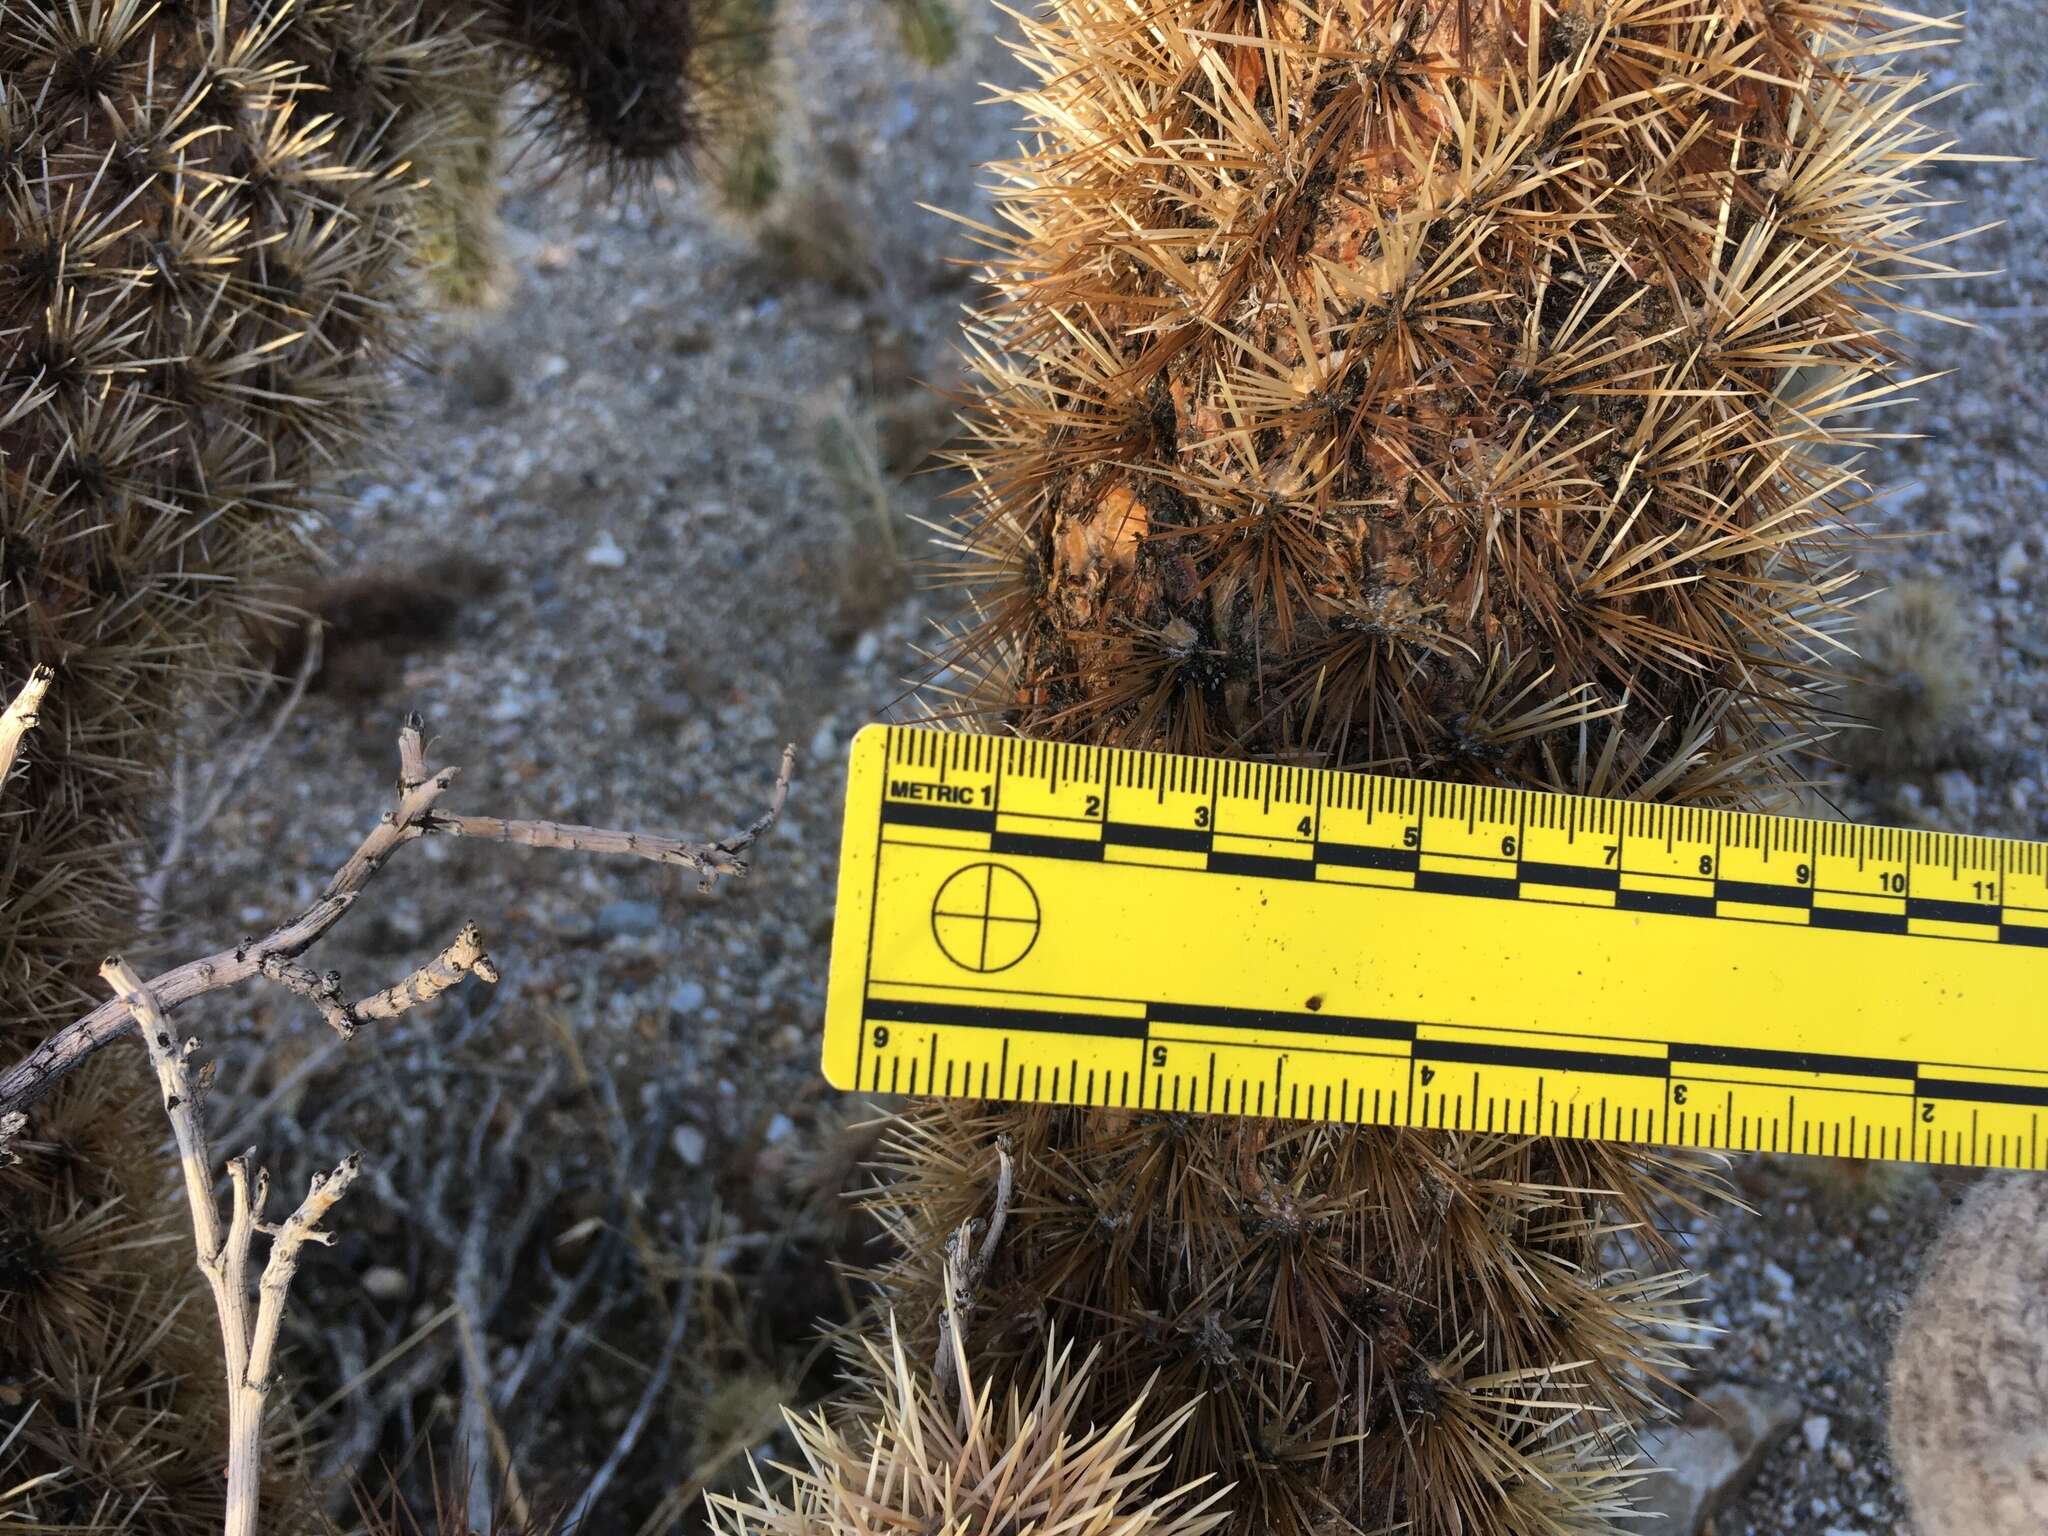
(630,86)
(1453,390)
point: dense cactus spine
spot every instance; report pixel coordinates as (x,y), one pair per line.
(631,87)
(1455,390)
(1371,1327)
(913,1457)
(1418,385)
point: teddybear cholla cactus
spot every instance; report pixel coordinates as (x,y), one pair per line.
(1382,1328)
(1444,388)
(203,229)
(913,1456)
(1969,1377)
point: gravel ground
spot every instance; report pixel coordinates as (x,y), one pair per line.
(649,585)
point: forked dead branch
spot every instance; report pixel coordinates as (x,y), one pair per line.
(224,1244)
(417,815)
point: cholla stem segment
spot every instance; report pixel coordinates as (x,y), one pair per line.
(1454,389)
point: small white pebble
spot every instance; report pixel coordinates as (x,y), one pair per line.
(2012,562)
(1780,1280)
(689,1144)
(605,554)
(1816,1431)
(508,707)
(778,1129)
(383,1283)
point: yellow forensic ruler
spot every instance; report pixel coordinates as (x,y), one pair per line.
(1073,925)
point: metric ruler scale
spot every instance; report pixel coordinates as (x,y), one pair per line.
(1026,921)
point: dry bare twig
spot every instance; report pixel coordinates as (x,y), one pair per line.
(21,716)
(416,815)
(250,1343)
(965,1265)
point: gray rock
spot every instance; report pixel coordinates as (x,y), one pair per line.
(688,997)
(689,1144)
(1780,1280)
(628,919)
(1957,792)
(2011,564)
(383,1283)
(1710,1455)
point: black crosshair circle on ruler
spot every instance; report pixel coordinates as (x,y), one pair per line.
(985,917)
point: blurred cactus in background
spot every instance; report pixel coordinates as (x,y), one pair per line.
(930,29)
(1914,682)
(461,238)
(1411,387)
